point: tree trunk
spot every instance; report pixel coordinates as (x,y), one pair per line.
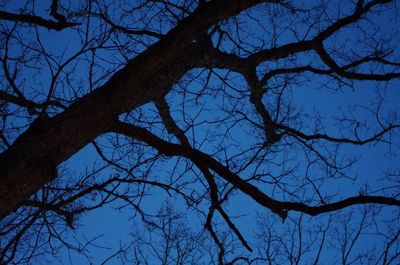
(33,158)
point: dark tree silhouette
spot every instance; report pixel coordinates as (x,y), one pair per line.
(204,101)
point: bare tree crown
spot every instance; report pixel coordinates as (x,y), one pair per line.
(274,102)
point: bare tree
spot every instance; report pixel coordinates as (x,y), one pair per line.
(275,102)
(167,239)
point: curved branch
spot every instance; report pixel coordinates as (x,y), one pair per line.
(33,158)
(36,20)
(320,136)
(341,71)
(279,207)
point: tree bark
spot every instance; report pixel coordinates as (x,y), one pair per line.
(33,158)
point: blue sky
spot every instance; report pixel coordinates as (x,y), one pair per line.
(311,97)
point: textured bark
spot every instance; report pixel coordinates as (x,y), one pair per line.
(33,158)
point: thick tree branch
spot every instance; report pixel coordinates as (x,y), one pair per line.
(127,30)
(174,129)
(36,20)
(341,71)
(279,207)
(31,106)
(359,11)
(320,136)
(33,158)
(256,95)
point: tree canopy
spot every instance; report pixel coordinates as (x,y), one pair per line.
(229,131)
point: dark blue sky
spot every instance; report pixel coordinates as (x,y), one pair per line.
(214,108)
